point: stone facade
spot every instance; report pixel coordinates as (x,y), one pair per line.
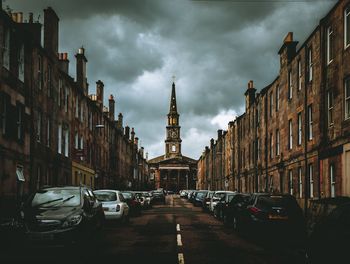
(294,135)
(53,132)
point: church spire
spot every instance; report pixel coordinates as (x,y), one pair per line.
(173,106)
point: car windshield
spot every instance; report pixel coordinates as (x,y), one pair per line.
(146,194)
(105,196)
(201,194)
(230,197)
(56,197)
(127,195)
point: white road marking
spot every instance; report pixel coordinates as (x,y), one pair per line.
(179,242)
(178,227)
(180,256)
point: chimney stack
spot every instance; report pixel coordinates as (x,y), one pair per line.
(132,135)
(81,70)
(219,134)
(51,30)
(111,107)
(99,91)
(288,50)
(137,142)
(211,143)
(31,18)
(120,120)
(142,152)
(63,62)
(127,132)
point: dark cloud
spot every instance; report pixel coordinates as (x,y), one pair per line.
(213,47)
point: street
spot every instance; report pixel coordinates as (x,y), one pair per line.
(176,232)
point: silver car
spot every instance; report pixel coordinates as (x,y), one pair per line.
(114,205)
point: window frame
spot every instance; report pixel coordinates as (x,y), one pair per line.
(310,64)
(329,44)
(310,122)
(311,181)
(330,106)
(300,76)
(300,129)
(346,29)
(300,181)
(277,142)
(290,134)
(347,98)
(332,179)
(290,86)
(290,181)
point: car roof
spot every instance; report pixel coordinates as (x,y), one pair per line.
(106,190)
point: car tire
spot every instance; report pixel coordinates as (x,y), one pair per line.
(235,224)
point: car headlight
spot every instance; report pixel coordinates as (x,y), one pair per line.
(72,221)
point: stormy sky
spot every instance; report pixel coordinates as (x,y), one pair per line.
(212,47)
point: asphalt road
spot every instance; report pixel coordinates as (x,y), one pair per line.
(173,233)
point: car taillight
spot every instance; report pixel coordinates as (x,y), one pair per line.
(117,209)
(254,210)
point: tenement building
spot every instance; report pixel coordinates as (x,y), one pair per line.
(52,130)
(294,136)
(173,171)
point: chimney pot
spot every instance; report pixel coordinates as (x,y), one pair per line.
(288,38)
(30,18)
(14,17)
(81,50)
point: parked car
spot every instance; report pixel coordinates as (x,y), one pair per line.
(158,197)
(199,197)
(234,208)
(216,198)
(114,205)
(183,193)
(62,215)
(148,199)
(273,214)
(133,203)
(206,201)
(328,230)
(220,208)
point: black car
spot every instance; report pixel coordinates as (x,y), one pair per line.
(133,202)
(61,215)
(199,197)
(273,214)
(328,230)
(234,208)
(220,208)
(158,197)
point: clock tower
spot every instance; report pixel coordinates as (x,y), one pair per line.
(173,140)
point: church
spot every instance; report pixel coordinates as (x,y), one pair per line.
(173,171)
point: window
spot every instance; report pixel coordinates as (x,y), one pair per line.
(291,187)
(310,64)
(300,182)
(81,142)
(5,111)
(59,143)
(311,181)
(82,112)
(330,107)
(66,99)
(290,86)
(49,81)
(332,178)
(309,110)
(48,132)
(271,146)
(271,104)
(277,98)
(6,50)
(258,148)
(347,97)
(20,122)
(38,126)
(19,173)
(66,142)
(40,73)
(173,148)
(38,177)
(299,75)
(299,129)
(59,97)
(77,107)
(347,27)
(21,63)
(329,44)
(76,137)
(277,142)
(290,134)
